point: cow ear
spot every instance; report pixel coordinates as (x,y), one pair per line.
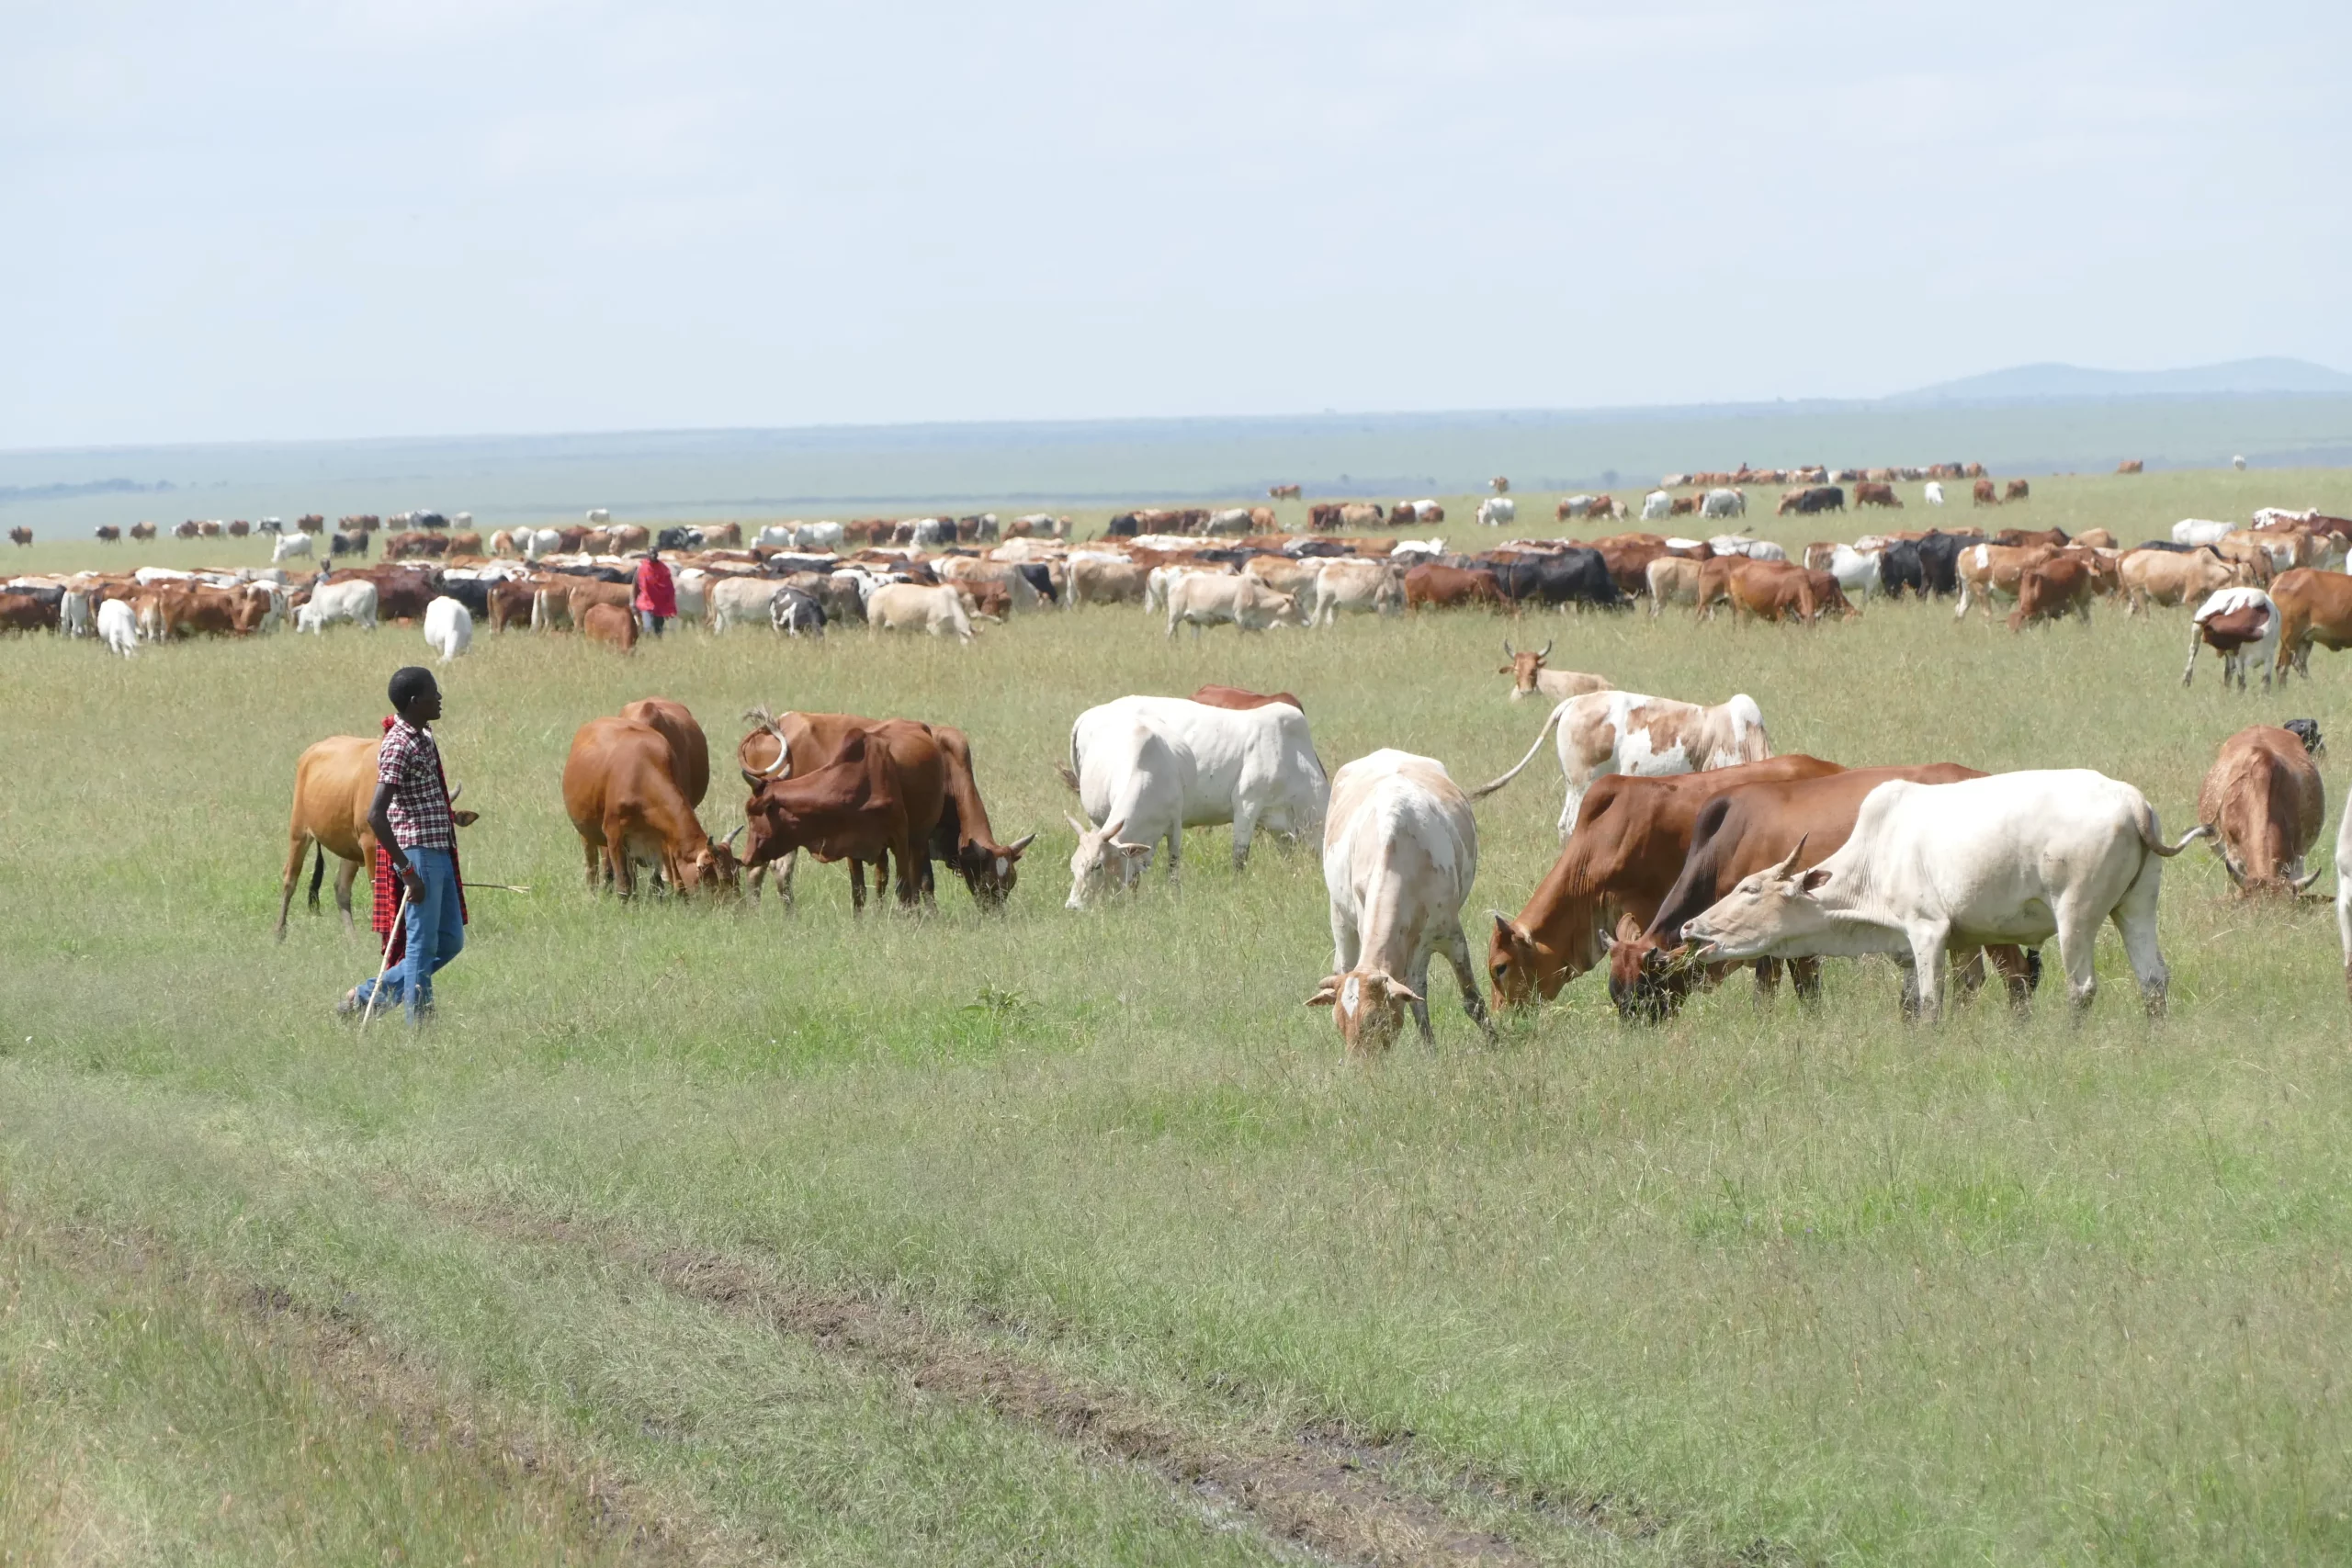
(1511,933)
(1608,939)
(1813,881)
(1398,990)
(1132,851)
(1325,995)
(465,818)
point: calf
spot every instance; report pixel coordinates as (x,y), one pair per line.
(2018,490)
(2264,804)
(611,624)
(1400,851)
(1625,732)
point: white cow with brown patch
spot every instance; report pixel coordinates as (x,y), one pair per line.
(1643,737)
(1400,851)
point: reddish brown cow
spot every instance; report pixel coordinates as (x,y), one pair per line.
(1236,697)
(964,838)
(1868,493)
(852,808)
(1630,840)
(510,603)
(2266,804)
(140,530)
(611,624)
(800,745)
(1283,493)
(2049,591)
(620,790)
(1740,832)
(689,748)
(413,545)
(1435,587)
(1767,590)
(465,544)
(27,612)
(2020,538)
(2131,466)
(2018,490)
(1985,495)
(2314,607)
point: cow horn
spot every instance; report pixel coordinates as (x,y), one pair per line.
(458,790)
(2299,883)
(731,837)
(1789,866)
(782,766)
(1508,651)
(1020,844)
(1547,650)
(2229,865)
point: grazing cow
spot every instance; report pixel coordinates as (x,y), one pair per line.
(1199,600)
(1576,577)
(2231,622)
(1400,851)
(1362,587)
(1626,732)
(2313,607)
(2264,803)
(740,601)
(288,546)
(1857,572)
(1104,580)
(1528,675)
(2017,489)
(615,626)
(1497,509)
(2049,590)
(119,627)
(1935,493)
(2131,466)
(1985,495)
(20,536)
(1147,768)
(1240,699)
(334,784)
(1283,574)
(339,544)
(621,792)
(1723,503)
(2092,540)
(1768,589)
(903,781)
(689,759)
(910,607)
(1232,520)
(1673,580)
(107,533)
(1871,493)
(1739,832)
(1283,493)
(2201,531)
(354,602)
(1500,485)
(1629,845)
(465,544)
(27,612)
(448,627)
(1986,571)
(1655,505)
(1434,586)
(2013,858)
(796,612)
(1807,499)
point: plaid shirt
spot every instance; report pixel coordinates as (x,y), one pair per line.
(410,763)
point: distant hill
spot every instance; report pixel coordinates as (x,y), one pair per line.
(2046,383)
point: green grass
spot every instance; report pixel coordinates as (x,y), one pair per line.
(1992,1291)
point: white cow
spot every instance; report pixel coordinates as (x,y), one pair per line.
(817,536)
(1147,768)
(1497,509)
(1246,603)
(448,627)
(741,600)
(1228,519)
(1364,587)
(2201,531)
(1935,493)
(538,542)
(2343,886)
(1740,545)
(1400,851)
(73,613)
(2012,858)
(599,515)
(1856,570)
(1413,552)
(1723,503)
(288,546)
(353,601)
(1642,736)
(774,536)
(119,627)
(909,607)
(1655,505)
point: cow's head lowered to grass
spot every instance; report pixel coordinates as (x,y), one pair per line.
(1764,910)
(1102,865)
(1368,1006)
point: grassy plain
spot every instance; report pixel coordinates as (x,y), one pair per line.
(554,1278)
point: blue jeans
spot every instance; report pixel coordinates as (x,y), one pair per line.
(437,933)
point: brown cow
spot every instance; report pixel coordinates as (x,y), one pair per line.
(2017,489)
(2315,606)
(1740,832)
(1985,570)
(140,530)
(611,624)
(620,790)
(965,838)
(2176,577)
(2131,466)
(2266,804)
(1766,590)
(625,538)
(1283,493)
(465,544)
(852,807)
(1630,840)
(1528,675)
(20,536)
(1237,697)
(1433,586)
(334,784)
(689,748)
(800,745)
(1985,495)
(414,543)
(1868,493)
(727,533)
(510,603)
(2024,538)
(2050,588)
(27,612)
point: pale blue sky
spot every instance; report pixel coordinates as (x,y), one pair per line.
(251,220)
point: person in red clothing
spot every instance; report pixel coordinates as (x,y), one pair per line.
(657,596)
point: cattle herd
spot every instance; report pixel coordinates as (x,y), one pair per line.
(1689,845)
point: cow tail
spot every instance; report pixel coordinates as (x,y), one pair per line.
(2153,837)
(1489,787)
(318,870)
(1070,774)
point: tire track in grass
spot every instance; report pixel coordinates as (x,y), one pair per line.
(1342,1499)
(335,1348)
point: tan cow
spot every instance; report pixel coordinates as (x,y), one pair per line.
(2313,607)
(1672,580)
(621,792)
(1099,580)
(334,784)
(1201,601)
(2264,801)
(1529,676)
(611,624)
(2172,577)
